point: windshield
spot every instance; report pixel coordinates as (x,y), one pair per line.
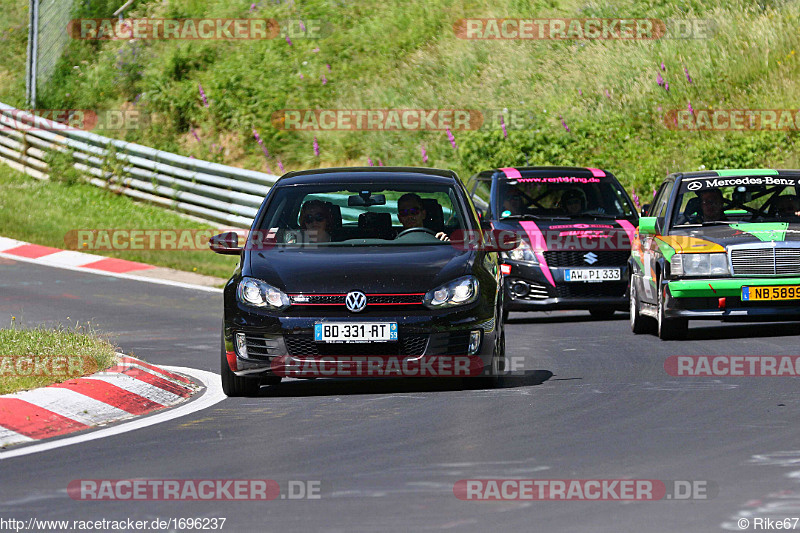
(564,197)
(710,201)
(363,214)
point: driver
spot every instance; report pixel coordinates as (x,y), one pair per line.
(711,202)
(573,201)
(412,214)
(514,202)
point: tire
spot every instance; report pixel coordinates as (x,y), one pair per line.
(669,328)
(233,385)
(601,314)
(492,374)
(639,323)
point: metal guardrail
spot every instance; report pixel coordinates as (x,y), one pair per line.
(205,190)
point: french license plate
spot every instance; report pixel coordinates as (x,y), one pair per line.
(355,331)
(770,292)
(592,274)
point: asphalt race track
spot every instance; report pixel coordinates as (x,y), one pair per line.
(594,403)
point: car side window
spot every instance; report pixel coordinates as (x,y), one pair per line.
(659,208)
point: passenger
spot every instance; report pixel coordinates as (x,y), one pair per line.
(412,214)
(514,202)
(788,207)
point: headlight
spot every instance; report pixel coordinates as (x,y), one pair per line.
(715,264)
(457,292)
(523,252)
(255,292)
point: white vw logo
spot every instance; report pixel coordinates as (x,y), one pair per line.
(355,301)
(590,258)
(694,185)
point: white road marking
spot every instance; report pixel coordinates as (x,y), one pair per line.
(137,386)
(212,396)
(12,437)
(114,274)
(72,405)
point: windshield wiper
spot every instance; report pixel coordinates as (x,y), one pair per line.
(534,217)
(597,215)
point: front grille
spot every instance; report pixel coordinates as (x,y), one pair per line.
(338,299)
(305,345)
(765,261)
(571,258)
(591,290)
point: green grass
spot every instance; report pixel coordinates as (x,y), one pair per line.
(44,212)
(404,54)
(36,357)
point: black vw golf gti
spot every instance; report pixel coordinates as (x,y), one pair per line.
(354,264)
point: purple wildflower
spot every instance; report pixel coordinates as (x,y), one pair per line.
(380,163)
(203,95)
(659,80)
(316,147)
(690,108)
(369,159)
(329,66)
(654,192)
(301,76)
(252,7)
(324,79)
(666,86)
(280,165)
(503,125)
(451,138)
(194,133)
(315,50)
(424,153)
(580,92)
(635,198)
(135,99)
(608,94)
(686,71)
(563,123)
(288,40)
(302,26)
(663,66)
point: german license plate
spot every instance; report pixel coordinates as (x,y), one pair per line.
(355,331)
(592,274)
(771,292)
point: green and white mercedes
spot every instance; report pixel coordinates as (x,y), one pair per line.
(717,244)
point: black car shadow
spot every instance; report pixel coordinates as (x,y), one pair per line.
(359,386)
(734,330)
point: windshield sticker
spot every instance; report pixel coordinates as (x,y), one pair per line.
(560,179)
(697,184)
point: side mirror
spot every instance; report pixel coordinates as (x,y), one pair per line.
(648,226)
(645,209)
(225,243)
(480,213)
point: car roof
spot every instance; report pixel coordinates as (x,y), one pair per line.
(733,172)
(368,174)
(501,172)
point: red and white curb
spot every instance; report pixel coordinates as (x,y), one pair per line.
(83,262)
(131,388)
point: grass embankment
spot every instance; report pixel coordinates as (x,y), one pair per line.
(44,212)
(589,103)
(31,358)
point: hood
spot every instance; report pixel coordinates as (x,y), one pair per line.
(712,238)
(574,234)
(370,269)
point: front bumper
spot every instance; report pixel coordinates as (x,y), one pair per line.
(272,340)
(529,289)
(721,298)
